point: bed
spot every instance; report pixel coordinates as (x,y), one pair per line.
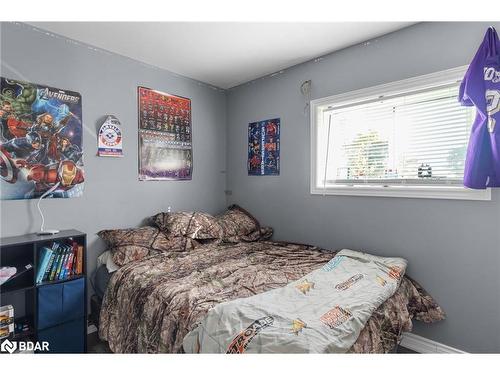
(153,302)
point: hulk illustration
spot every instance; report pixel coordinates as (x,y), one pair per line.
(22,102)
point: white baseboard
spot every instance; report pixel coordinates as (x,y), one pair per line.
(422,345)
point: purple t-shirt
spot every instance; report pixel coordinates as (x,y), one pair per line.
(481,88)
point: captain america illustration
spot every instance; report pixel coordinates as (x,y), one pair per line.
(30,148)
(481,88)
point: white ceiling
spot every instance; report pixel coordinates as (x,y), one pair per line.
(221,54)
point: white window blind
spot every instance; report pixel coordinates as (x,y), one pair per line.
(412,138)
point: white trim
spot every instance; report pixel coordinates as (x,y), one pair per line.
(422,345)
(394,88)
(429,192)
(414,84)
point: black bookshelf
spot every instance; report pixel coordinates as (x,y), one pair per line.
(55,310)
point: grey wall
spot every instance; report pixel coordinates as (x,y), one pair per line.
(453,247)
(113,196)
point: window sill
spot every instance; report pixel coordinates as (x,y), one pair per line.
(429,192)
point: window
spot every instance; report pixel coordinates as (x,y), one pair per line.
(406,139)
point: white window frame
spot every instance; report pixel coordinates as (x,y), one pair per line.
(424,82)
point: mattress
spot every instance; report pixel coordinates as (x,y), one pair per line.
(100,280)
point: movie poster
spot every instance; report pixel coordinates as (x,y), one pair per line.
(264,148)
(40,141)
(165,137)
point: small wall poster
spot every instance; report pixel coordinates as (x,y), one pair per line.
(41,148)
(264,148)
(110,138)
(165,137)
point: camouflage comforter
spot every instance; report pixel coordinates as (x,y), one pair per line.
(150,305)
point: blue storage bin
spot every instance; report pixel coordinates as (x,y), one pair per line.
(50,306)
(65,338)
(60,303)
(74,299)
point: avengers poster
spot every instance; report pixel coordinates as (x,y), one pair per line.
(165,137)
(264,148)
(40,141)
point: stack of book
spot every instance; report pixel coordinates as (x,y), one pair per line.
(59,262)
(6,321)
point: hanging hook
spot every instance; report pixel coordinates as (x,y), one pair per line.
(305,89)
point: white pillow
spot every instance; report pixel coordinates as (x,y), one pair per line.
(107,259)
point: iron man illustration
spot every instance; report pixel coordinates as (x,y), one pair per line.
(57,177)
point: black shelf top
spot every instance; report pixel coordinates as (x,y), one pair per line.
(33,237)
(23,288)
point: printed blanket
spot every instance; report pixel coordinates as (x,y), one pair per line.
(322,312)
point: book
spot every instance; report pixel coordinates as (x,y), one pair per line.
(68,259)
(68,266)
(61,263)
(43,262)
(49,266)
(74,260)
(55,246)
(75,257)
(79,260)
(65,272)
(60,266)
(71,259)
(56,264)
